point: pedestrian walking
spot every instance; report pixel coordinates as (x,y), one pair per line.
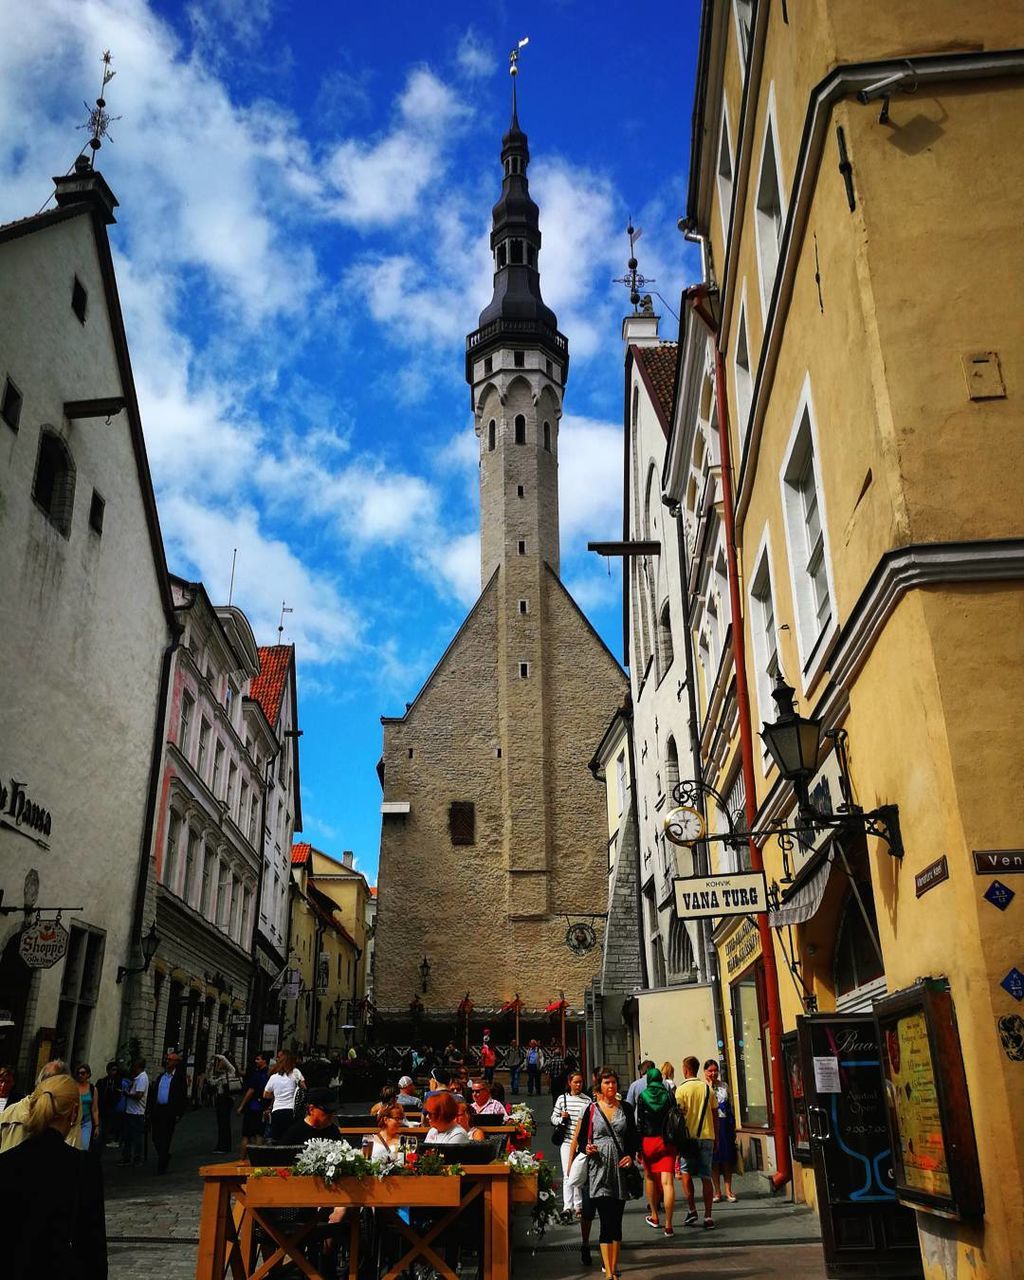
(565,1116)
(488,1058)
(110,1100)
(668,1077)
(696,1101)
(607,1134)
(640,1083)
(534,1066)
(167,1104)
(221,1073)
(252,1105)
(659,1156)
(280,1092)
(134,1126)
(515,1059)
(723,1160)
(51,1195)
(89,1105)
(557,1068)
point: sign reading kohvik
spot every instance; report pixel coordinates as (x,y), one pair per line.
(700,897)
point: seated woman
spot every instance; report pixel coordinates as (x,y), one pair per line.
(440,1113)
(387,1096)
(465,1121)
(387,1141)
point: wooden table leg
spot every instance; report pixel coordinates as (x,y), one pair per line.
(353,1244)
(212,1233)
(497,1238)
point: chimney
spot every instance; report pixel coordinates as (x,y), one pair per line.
(347,857)
(85,185)
(640,329)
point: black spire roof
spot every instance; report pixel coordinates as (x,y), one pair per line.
(516,314)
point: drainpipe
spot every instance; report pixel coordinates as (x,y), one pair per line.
(780,1115)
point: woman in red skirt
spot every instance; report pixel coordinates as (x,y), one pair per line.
(659,1157)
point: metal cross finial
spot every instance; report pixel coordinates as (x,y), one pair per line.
(99,118)
(635,281)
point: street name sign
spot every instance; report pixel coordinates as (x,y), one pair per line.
(744,893)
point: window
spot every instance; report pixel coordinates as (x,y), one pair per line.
(748,1036)
(191,853)
(524,671)
(547,436)
(620,780)
(229,797)
(254,811)
(744,381)
(218,767)
(223,896)
(671,764)
(184,724)
(515,252)
(765,635)
(547,367)
(488,364)
(171,852)
(208,874)
(805,537)
(519,359)
(243,801)
(520,429)
(736,805)
(524,606)
(79,990)
(96,509)
(462,822)
(665,650)
(502,256)
(856,958)
(768,208)
(10,405)
(204,746)
(531,255)
(522,547)
(635,414)
(491,435)
(79,299)
(743,12)
(520,491)
(682,965)
(54,485)
(235,915)
(725,176)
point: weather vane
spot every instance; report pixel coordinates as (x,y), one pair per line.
(513,67)
(285,608)
(635,281)
(99,117)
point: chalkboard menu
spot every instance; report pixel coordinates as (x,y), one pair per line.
(935,1155)
(797,1098)
(842,1077)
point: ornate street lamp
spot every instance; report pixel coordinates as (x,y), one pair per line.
(794,742)
(425,973)
(150,944)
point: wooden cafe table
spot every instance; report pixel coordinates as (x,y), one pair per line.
(235,1204)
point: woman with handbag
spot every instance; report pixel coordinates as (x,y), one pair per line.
(568,1109)
(652,1107)
(608,1137)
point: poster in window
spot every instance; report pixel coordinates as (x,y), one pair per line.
(929,1109)
(797,1098)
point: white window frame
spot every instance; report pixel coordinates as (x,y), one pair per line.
(725,186)
(771,130)
(812,640)
(743,378)
(761,577)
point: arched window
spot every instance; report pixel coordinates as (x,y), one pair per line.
(502,255)
(547,436)
(54,485)
(636,406)
(681,962)
(491,431)
(520,429)
(671,764)
(665,650)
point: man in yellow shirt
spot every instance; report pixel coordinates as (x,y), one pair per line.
(698,1104)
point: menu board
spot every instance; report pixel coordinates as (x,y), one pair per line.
(797,1097)
(914,1096)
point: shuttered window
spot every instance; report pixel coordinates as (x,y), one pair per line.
(462,822)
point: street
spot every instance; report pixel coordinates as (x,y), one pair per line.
(153,1227)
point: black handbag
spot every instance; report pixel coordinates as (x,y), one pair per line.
(560,1131)
(634,1175)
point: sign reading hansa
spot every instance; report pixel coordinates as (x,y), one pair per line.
(744,893)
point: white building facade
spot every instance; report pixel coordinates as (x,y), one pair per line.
(86,627)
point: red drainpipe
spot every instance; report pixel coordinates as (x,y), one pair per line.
(780,1112)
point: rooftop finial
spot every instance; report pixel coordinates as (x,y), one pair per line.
(513,70)
(99,118)
(285,608)
(635,280)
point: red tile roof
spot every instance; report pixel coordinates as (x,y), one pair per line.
(373,891)
(658,366)
(301,854)
(268,687)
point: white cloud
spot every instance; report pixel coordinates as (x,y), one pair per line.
(589,481)
(596,590)
(457,562)
(474,57)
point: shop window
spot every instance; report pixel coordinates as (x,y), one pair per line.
(857,963)
(748,1024)
(79,990)
(54,485)
(462,822)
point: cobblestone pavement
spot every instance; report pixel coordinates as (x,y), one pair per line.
(153,1227)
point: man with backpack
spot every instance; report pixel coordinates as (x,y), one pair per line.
(699,1109)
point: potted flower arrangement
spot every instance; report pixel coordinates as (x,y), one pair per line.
(526,1126)
(335,1166)
(531,1166)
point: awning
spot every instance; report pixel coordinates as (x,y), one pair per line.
(803,897)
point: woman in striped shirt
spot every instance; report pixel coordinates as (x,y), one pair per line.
(569,1106)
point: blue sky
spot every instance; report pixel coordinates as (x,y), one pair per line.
(301,249)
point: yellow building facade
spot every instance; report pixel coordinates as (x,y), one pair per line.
(849,374)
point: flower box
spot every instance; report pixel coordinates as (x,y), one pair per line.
(297,1191)
(524,1188)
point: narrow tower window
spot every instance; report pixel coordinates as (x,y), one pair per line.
(520,491)
(79,299)
(488,364)
(522,548)
(531,255)
(54,486)
(524,606)
(520,429)
(519,359)
(547,436)
(96,510)
(10,406)
(491,430)
(524,671)
(502,256)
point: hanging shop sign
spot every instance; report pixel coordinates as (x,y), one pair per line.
(744,893)
(741,948)
(323,975)
(292,984)
(933,874)
(933,1141)
(22,813)
(1007,862)
(43,944)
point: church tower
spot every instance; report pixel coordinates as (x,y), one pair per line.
(489,807)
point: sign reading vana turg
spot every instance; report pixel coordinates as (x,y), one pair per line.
(701,897)
(43,944)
